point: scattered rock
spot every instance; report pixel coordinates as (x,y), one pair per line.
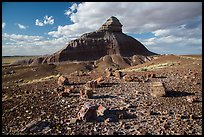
(109,72)
(154,113)
(99,80)
(73,121)
(157,89)
(107,120)
(150,75)
(101,110)
(86,93)
(62,80)
(60,88)
(92,84)
(20,80)
(64,94)
(118,74)
(87,112)
(184,116)
(12,72)
(33,69)
(37,126)
(192,99)
(193,116)
(128,78)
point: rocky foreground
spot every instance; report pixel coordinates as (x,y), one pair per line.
(37,108)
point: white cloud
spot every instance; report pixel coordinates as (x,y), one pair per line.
(47,20)
(3,25)
(38,23)
(178,40)
(68,12)
(162,32)
(177,26)
(14,44)
(71,9)
(136,17)
(173,45)
(25,38)
(22,26)
(171,22)
(180,31)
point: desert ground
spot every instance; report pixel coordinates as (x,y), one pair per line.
(31,103)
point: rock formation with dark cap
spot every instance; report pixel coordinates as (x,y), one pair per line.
(107,40)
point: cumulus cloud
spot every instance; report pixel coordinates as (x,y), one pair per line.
(3,25)
(22,26)
(170,22)
(136,17)
(47,20)
(177,40)
(14,44)
(172,44)
(71,9)
(38,22)
(177,26)
(15,37)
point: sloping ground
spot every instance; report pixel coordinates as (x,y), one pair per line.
(116,61)
(68,68)
(164,61)
(26,72)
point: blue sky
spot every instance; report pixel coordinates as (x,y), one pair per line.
(38,28)
(27,12)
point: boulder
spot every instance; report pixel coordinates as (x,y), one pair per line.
(86,93)
(87,112)
(99,80)
(157,89)
(62,80)
(118,74)
(92,84)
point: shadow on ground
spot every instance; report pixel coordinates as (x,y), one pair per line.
(103,96)
(172,93)
(112,116)
(75,84)
(107,85)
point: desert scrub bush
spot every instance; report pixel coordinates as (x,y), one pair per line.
(144,69)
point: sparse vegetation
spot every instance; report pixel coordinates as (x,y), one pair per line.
(41,79)
(151,67)
(189,57)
